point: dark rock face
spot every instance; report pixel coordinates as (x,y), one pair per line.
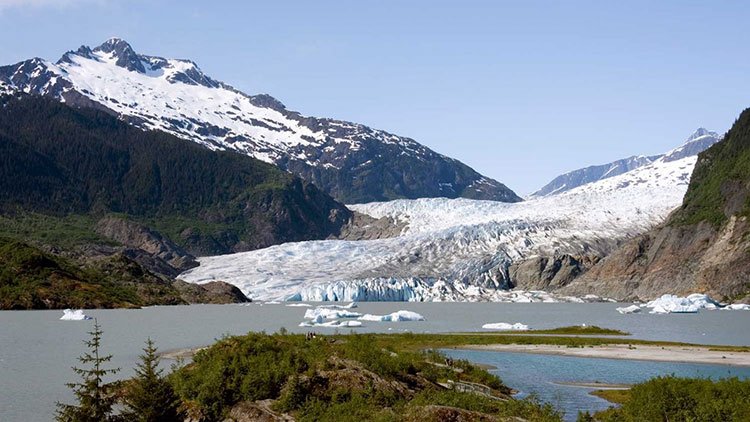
(703,247)
(138,236)
(674,260)
(353,163)
(549,273)
(215,292)
(364,227)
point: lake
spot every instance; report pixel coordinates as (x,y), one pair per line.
(37,349)
(545,375)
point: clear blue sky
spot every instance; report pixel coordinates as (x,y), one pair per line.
(519,90)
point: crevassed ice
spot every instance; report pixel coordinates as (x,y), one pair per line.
(456,249)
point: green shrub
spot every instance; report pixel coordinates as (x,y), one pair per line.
(684,399)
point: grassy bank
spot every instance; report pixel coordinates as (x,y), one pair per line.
(415,342)
(341,378)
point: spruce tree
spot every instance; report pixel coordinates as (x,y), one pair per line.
(94,401)
(149,397)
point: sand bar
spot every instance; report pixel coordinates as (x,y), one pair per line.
(687,354)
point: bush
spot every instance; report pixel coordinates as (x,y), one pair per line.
(684,399)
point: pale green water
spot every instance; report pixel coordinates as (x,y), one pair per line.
(37,350)
(541,375)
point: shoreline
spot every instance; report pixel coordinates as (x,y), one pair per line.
(677,354)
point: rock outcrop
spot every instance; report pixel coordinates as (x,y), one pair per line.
(215,292)
(703,247)
(135,235)
(549,273)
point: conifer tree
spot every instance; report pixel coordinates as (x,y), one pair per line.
(94,401)
(150,398)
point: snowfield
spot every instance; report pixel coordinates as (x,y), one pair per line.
(456,249)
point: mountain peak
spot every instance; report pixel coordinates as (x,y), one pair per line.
(700,140)
(123,54)
(700,132)
(113,44)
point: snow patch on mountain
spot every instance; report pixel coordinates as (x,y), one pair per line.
(700,140)
(456,249)
(6,89)
(175,96)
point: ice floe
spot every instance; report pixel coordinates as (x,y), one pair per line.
(74,315)
(299,305)
(633,309)
(393,317)
(319,322)
(737,307)
(349,306)
(671,304)
(330,313)
(504,326)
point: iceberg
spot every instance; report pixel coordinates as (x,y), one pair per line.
(330,313)
(393,317)
(504,326)
(299,305)
(349,306)
(670,304)
(737,307)
(320,322)
(632,309)
(74,315)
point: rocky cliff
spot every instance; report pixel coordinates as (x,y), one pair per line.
(704,246)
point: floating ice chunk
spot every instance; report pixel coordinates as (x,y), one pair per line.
(505,326)
(273,302)
(668,304)
(349,306)
(299,305)
(320,322)
(632,309)
(737,307)
(393,317)
(330,313)
(74,315)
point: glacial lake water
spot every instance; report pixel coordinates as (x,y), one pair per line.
(549,377)
(37,349)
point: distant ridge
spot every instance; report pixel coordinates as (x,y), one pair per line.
(697,142)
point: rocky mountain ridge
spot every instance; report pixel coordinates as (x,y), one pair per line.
(350,161)
(704,246)
(697,142)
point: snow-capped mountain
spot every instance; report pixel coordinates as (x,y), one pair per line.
(697,142)
(457,249)
(350,161)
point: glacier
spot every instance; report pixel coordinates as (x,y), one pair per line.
(457,249)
